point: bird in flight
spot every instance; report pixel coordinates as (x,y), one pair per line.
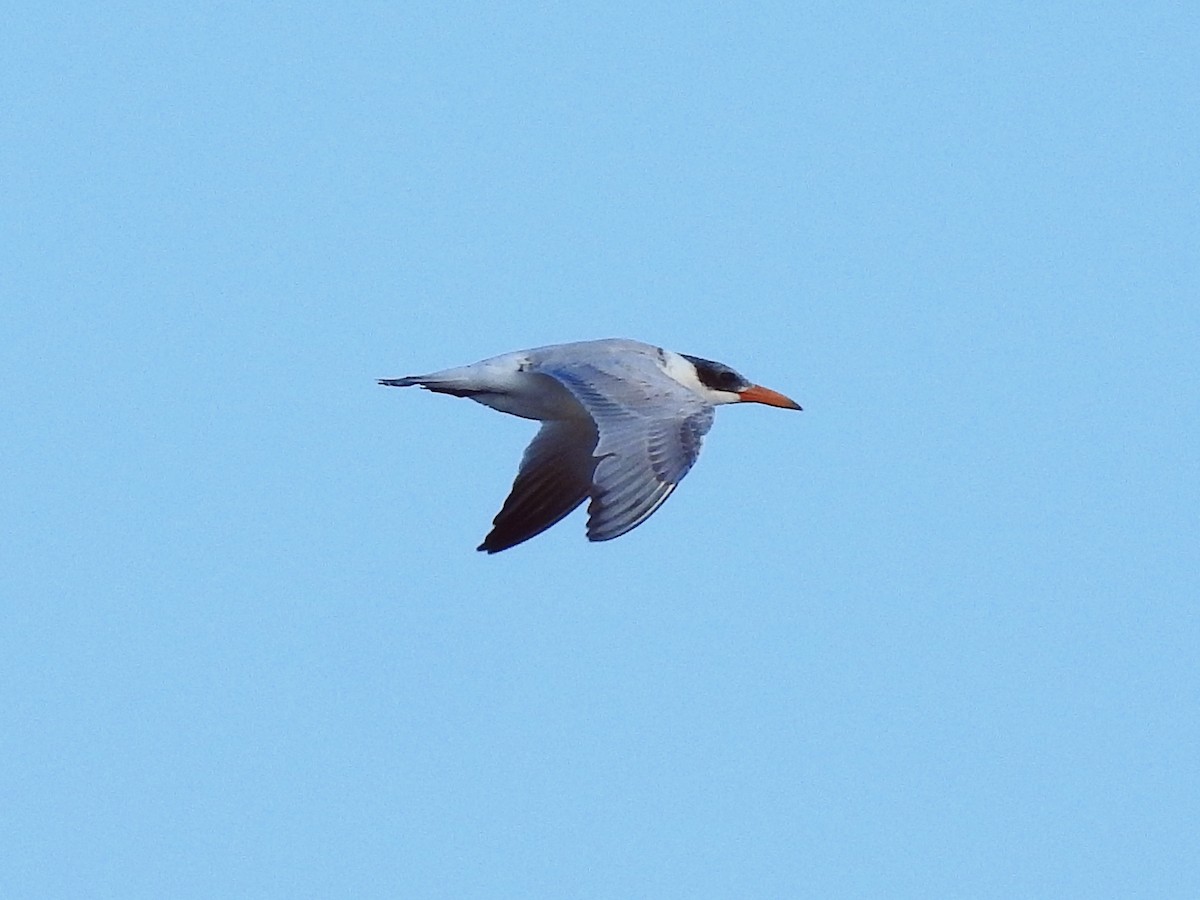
(622,423)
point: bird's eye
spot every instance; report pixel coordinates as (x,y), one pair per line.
(729,380)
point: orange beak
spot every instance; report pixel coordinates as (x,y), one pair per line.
(756,393)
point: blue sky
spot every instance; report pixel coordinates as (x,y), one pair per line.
(934,636)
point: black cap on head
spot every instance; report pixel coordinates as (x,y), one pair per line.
(717,376)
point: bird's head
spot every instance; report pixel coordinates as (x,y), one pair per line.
(721,384)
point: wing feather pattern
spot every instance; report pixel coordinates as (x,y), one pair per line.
(554,478)
(649,428)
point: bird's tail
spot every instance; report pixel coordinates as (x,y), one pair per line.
(456,382)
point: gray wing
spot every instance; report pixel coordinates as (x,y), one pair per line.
(554,478)
(650,429)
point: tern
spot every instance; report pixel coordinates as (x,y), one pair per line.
(622,423)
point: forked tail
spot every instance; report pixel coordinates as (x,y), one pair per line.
(439,384)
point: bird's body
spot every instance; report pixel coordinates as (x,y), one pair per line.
(622,423)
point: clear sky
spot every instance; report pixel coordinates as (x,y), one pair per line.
(935,636)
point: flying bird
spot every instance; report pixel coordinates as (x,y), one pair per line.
(622,423)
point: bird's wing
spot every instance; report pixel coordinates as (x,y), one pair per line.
(554,478)
(650,428)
